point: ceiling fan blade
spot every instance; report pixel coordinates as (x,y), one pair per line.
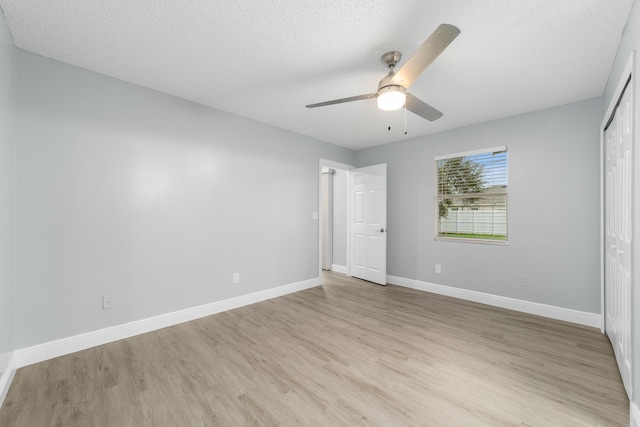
(341,100)
(422,109)
(426,54)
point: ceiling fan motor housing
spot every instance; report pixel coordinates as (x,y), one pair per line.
(392,88)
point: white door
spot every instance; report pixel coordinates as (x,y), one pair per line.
(618,177)
(369,223)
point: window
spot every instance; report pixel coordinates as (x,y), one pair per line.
(471,196)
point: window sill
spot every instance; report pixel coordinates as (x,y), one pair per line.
(476,241)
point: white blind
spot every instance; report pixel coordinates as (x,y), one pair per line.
(468,174)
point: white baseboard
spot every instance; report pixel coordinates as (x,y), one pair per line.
(339,268)
(61,347)
(8,371)
(634,415)
(559,313)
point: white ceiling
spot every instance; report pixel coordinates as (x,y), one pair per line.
(266,59)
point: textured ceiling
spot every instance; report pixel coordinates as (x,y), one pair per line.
(266,59)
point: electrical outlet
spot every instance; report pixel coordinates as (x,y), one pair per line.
(236,278)
(107,302)
(522,280)
(438,269)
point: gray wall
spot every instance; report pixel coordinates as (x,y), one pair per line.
(630,42)
(155,200)
(340,237)
(7,193)
(553,208)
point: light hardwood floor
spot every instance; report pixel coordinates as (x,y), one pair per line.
(347,353)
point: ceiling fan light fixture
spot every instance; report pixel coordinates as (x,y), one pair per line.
(391,97)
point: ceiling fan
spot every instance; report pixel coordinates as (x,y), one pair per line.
(392,90)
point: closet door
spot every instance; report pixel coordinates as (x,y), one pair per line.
(618,176)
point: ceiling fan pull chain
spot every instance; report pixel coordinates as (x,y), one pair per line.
(405,118)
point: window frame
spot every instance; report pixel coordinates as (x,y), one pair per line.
(478,240)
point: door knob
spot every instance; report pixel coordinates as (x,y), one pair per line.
(381,230)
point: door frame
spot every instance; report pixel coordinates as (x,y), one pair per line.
(325,163)
(629,71)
